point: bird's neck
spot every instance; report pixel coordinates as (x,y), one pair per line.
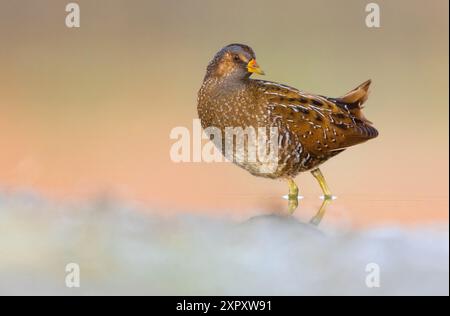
(225,83)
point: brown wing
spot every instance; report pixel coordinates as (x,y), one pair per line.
(323,124)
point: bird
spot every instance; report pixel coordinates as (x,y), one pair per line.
(310,128)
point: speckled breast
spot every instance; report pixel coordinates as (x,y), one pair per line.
(238,109)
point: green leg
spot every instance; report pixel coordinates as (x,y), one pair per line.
(293,196)
(293,189)
(323,184)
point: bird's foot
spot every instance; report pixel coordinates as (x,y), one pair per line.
(329,197)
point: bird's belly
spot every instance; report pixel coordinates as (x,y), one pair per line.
(287,163)
(293,155)
(290,161)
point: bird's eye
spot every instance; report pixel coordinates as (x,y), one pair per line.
(236,58)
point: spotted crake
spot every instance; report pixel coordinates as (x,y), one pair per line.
(311,128)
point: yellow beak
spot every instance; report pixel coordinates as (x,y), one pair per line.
(253,67)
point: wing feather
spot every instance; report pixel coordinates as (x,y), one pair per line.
(321,123)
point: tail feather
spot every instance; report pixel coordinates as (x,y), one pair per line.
(354,100)
(357,96)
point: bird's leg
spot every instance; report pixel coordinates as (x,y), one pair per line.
(292,196)
(323,184)
(293,189)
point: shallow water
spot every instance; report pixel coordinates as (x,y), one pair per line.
(75,122)
(127,250)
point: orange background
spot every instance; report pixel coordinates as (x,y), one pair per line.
(87,112)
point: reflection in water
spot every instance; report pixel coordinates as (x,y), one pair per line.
(282,227)
(287,226)
(317,218)
(321,212)
(293,205)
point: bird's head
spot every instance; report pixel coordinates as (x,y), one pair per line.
(235,61)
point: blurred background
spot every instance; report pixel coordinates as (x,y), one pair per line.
(85,113)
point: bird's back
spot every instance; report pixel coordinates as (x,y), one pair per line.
(335,122)
(311,128)
(314,128)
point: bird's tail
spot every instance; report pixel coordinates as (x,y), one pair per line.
(358,95)
(353,101)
